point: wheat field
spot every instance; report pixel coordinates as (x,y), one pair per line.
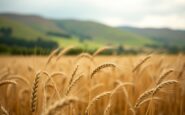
(88,84)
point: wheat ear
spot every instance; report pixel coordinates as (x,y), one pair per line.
(101,50)
(102,67)
(58,105)
(163,76)
(73,74)
(64,51)
(53,53)
(85,55)
(146,100)
(95,99)
(143,96)
(34,92)
(141,63)
(163,84)
(72,84)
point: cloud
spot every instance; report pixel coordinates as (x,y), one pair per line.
(142,13)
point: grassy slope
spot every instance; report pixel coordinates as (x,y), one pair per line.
(86,44)
(101,33)
(20,30)
(166,36)
(36,22)
(32,27)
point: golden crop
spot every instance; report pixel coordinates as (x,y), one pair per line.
(92,85)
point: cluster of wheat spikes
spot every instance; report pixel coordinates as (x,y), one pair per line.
(89,84)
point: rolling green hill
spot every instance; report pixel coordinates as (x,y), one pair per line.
(32,27)
(164,35)
(20,30)
(33,21)
(29,31)
(101,33)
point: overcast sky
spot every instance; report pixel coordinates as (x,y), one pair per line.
(140,13)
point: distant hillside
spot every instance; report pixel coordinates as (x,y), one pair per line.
(31,26)
(36,22)
(164,35)
(100,32)
(29,31)
(20,30)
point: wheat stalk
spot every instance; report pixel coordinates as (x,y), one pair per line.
(146,100)
(153,91)
(58,105)
(58,73)
(101,50)
(96,86)
(53,53)
(3,111)
(107,109)
(125,92)
(21,78)
(72,84)
(124,83)
(111,98)
(73,74)
(143,96)
(141,63)
(4,75)
(163,84)
(96,70)
(64,51)
(7,82)
(64,76)
(181,72)
(85,55)
(163,76)
(54,86)
(95,99)
(50,78)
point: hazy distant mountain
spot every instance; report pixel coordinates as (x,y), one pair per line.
(163,35)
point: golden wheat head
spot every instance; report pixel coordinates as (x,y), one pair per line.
(96,70)
(163,76)
(95,99)
(34,92)
(64,51)
(101,50)
(141,63)
(58,105)
(163,84)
